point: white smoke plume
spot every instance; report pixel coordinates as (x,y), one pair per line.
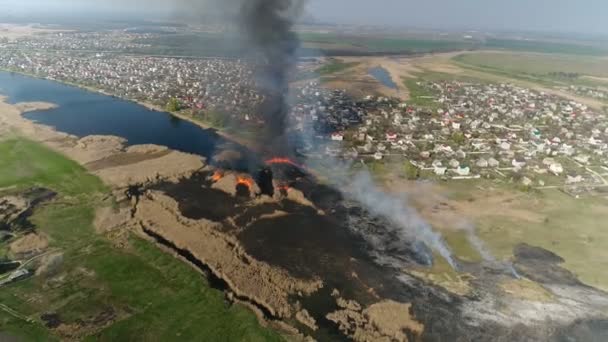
(410,225)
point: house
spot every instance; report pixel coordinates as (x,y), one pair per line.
(463,171)
(556,168)
(482,163)
(337,136)
(493,162)
(391,136)
(574,179)
(454,163)
(440,171)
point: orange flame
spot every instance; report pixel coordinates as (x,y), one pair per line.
(217,175)
(248,182)
(282,161)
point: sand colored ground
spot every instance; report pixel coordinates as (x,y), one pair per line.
(29,244)
(383,321)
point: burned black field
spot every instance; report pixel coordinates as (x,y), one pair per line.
(351,250)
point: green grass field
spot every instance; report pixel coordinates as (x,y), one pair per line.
(545,47)
(572,228)
(539,68)
(209,44)
(24,163)
(334,66)
(419,95)
(151,295)
(538,63)
(372,44)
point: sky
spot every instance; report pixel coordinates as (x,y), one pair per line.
(578,16)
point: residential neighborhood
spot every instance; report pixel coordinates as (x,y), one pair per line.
(473,131)
(465,131)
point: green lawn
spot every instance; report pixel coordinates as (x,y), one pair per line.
(24,163)
(151,295)
(545,47)
(420,96)
(375,44)
(334,66)
(575,229)
(537,63)
(546,69)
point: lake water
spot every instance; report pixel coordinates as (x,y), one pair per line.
(383,77)
(83,113)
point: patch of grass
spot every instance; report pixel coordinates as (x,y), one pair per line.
(572,228)
(170,299)
(460,246)
(442,274)
(15,327)
(335,66)
(377,168)
(410,171)
(545,47)
(420,96)
(24,163)
(544,69)
(377,44)
(154,296)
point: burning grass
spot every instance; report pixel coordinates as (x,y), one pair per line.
(217,175)
(287,161)
(245,181)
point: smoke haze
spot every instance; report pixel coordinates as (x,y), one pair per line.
(583,16)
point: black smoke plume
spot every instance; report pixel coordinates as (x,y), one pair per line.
(267,25)
(268,39)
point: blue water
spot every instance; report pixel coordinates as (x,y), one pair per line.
(83,113)
(383,77)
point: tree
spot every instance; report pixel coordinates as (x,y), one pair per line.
(217,118)
(458,138)
(173,105)
(411,171)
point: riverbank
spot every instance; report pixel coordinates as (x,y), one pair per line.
(181,115)
(105,156)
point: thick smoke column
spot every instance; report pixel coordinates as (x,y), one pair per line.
(268,26)
(267,38)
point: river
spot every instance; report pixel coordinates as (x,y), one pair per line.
(81,113)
